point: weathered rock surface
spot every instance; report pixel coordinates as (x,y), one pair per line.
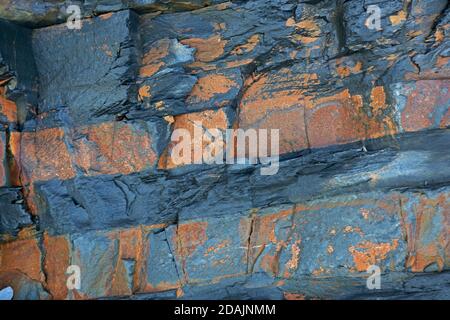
(86,178)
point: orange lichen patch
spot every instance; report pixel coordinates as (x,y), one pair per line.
(238,63)
(7,107)
(251,44)
(381,126)
(320,271)
(291,125)
(413,34)
(144,92)
(439,35)
(189,237)
(293,296)
(338,116)
(106,16)
(350,229)
(378,100)
(2,159)
(345,71)
(198,66)
(169,119)
(151,69)
(113,147)
(343,118)
(305,39)
(23,256)
(308,25)
(152,60)
(266,104)
(43,155)
(368,253)
(266,240)
(194,123)
(56,262)
(214,249)
(292,264)
(209,86)
(179,293)
(428,240)
(442,61)
(207,49)
(423,104)
(398,18)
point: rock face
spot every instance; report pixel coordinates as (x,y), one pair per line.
(86,118)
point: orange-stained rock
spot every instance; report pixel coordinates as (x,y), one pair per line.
(208,86)
(23,256)
(264,107)
(266,243)
(207,49)
(3,178)
(428,232)
(344,69)
(131,247)
(42,155)
(426,104)
(367,253)
(8,108)
(152,60)
(335,120)
(293,296)
(113,147)
(189,236)
(250,45)
(341,119)
(209,119)
(56,262)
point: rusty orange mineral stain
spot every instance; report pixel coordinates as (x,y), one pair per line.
(207,49)
(189,237)
(442,61)
(43,155)
(113,147)
(345,71)
(368,253)
(214,249)
(131,248)
(293,296)
(426,244)
(152,61)
(422,104)
(398,18)
(251,44)
(7,107)
(378,99)
(23,256)
(341,116)
(56,262)
(144,92)
(106,16)
(238,63)
(209,119)
(208,86)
